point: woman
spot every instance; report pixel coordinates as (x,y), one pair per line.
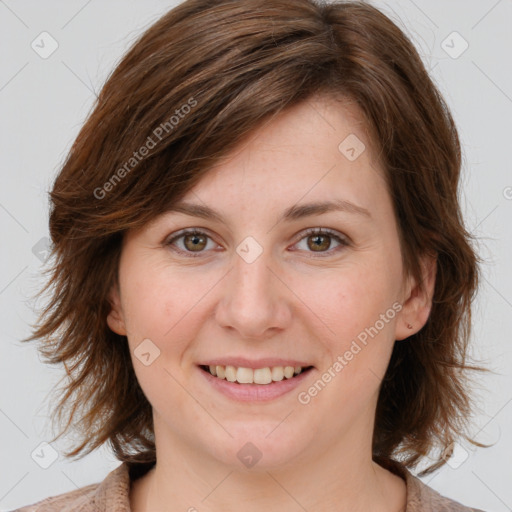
(262,283)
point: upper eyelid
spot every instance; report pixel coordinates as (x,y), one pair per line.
(188,231)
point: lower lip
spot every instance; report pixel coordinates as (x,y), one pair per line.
(254,392)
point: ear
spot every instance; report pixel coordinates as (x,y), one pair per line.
(115,318)
(417,302)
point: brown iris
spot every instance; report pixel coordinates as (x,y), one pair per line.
(194,241)
(320,243)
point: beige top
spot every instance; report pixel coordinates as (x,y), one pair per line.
(112,494)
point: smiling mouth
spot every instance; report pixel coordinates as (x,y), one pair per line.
(267,375)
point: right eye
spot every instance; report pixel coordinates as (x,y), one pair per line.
(192,241)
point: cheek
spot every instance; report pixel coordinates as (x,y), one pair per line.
(167,306)
(158,298)
(158,304)
(352,299)
(357,307)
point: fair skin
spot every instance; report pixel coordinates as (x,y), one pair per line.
(305,297)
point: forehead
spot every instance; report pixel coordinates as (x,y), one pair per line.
(316,150)
(290,167)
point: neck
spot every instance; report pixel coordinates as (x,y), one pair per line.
(337,479)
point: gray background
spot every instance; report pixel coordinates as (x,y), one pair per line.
(43,102)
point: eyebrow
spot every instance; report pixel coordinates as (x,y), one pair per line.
(292,213)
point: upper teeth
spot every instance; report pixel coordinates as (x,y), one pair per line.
(256,376)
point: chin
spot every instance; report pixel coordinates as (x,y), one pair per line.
(258,449)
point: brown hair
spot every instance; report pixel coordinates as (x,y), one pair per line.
(202,78)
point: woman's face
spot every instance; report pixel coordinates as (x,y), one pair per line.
(258,287)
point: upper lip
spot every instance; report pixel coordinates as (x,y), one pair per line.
(254,363)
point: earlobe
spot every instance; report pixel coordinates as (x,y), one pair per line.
(418,302)
(115,318)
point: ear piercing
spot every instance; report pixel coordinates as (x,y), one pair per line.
(409,326)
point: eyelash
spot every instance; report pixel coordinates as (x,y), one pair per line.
(309,232)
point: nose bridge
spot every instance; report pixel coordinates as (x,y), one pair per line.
(252,281)
(253,300)
(253,276)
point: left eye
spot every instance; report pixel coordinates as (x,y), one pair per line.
(320,240)
(317,240)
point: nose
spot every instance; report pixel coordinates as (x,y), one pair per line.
(255,299)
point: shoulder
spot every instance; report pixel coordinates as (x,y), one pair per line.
(112,494)
(79,500)
(422,498)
